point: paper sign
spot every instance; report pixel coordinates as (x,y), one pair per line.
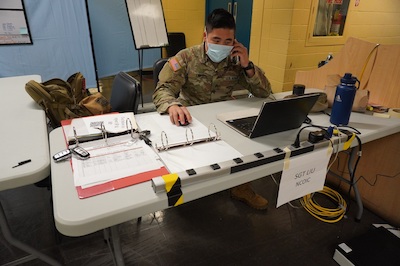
(306,174)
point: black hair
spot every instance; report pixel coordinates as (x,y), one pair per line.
(220,18)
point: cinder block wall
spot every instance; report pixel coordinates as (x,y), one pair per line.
(186,16)
(278,36)
(279,31)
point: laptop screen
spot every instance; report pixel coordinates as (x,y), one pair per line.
(277,116)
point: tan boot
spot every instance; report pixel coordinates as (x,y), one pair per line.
(246,194)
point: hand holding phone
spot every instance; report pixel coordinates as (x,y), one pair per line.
(239,52)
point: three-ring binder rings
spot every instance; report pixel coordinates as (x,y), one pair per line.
(186,147)
(190,140)
(118,155)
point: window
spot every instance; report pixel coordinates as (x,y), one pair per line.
(327,22)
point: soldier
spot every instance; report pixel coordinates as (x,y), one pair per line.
(210,72)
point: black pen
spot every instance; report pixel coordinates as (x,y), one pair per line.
(23,162)
(146,139)
(143,136)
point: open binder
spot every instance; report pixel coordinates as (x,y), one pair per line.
(190,139)
(186,147)
(118,156)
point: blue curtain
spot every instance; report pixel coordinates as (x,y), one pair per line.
(61,43)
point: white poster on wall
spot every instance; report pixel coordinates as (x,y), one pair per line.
(148,23)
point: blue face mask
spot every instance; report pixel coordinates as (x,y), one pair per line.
(218,52)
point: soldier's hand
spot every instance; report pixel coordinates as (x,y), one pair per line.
(179,114)
(241,51)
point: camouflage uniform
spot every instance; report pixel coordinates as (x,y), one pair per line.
(191,78)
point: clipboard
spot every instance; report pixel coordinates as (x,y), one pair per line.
(116,141)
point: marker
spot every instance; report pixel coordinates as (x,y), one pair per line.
(23,162)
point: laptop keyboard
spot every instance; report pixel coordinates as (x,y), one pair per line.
(245,125)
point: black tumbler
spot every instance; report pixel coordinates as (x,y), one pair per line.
(298,89)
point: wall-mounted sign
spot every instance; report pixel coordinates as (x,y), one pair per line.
(14,27)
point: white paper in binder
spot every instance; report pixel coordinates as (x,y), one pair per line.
(180,159)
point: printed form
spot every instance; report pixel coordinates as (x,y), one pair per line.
(120,157)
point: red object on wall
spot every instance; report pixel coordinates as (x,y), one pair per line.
(336,21)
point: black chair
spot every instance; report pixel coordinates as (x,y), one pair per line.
(177,42)
(158,65)
(125,93)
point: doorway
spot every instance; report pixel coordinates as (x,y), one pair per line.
(242,12)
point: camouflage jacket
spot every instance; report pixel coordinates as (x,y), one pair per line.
(191,78)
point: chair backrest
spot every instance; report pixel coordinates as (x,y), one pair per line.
(177,42)
(125,93)
(158,65)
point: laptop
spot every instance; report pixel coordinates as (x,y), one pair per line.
(273,117)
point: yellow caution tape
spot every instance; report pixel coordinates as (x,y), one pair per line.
(173,188)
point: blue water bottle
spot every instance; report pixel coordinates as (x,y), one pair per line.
(344,98)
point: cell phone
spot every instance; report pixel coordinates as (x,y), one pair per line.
(80,152)
(236,60)
(62,155)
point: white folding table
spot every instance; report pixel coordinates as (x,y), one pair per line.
(77,217)
(23,137)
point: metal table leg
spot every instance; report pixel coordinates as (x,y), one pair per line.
(111,235)
(34,254)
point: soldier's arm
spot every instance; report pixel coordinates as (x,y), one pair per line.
(169,86)
(253,78)
(257,84)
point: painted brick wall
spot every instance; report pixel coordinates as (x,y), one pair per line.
(186,16)
(270,34)
(279,30)
(281,41)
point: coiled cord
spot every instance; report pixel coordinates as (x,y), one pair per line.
(325,214)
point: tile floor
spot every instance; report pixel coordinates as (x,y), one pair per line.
(214,230)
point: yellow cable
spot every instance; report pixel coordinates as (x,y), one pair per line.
(347,144)
(324,214)
(367,60)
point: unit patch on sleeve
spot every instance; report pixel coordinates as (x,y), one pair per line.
(173,62)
